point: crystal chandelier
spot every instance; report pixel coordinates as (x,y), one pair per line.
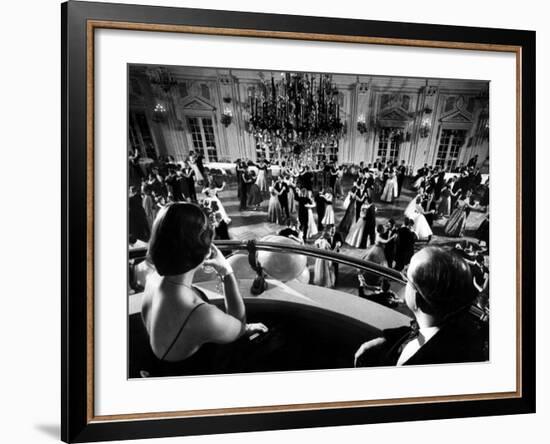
(300,109)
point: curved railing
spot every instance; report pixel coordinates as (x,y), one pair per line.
(317,253)
(361,264)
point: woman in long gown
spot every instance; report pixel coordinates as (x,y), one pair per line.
(355,234)
(312,229)
(193,163)
(415,212)
(291,195)
(328,218)
(349,216)
(255,197)
(376,254)
(360,197)
(274,210)
(211,193)
(444,207)
(324,275)
(261,180)
(390,189)
(456,223)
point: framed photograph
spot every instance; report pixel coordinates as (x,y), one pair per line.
(275,221)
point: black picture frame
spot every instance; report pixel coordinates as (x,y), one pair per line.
(77,424)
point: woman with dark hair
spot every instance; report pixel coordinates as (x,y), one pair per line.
(177,315)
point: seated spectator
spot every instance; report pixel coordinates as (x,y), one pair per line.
(439,293)
(177,316)
(292,230)
(382,295)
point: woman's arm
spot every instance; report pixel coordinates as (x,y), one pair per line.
(233,300)
(234,304)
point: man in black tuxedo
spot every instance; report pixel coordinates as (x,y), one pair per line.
(401,173)
(439,293)
(369,183)
(320,204)
(245,185)
(438,183)
(406,239)
(282,188)
(306,178)
(370,224)
(421,172)
(336,241)
(303,200)
(476,179)
(390,246)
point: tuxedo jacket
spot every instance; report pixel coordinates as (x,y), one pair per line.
(335,239)
(459,340)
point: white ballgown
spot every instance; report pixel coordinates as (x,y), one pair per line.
(311,225)
(356,231)
(328,218)
(261,181)
(390,190)
(323,270)
(214,197)
(421,227)
(198,176)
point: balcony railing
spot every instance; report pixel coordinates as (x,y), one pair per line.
(317,253)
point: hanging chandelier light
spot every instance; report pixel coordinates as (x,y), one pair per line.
(300,109)
(162,78)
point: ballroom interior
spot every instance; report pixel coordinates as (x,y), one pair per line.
(209,136)
(177,109)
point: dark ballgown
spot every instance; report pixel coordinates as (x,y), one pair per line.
(254,195)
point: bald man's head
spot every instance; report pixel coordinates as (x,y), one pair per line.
(442,280)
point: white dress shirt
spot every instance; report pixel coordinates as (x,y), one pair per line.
(424,335)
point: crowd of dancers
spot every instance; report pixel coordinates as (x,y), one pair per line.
(303,199)
(154,185)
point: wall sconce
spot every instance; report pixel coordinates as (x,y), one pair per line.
(159,113)
(362,124)
(227,117)
(426,124)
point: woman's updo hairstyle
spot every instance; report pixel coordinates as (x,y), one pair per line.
(180,239)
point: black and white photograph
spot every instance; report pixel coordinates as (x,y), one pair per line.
(291,221)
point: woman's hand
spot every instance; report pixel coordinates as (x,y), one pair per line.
(255,328)
(218,262)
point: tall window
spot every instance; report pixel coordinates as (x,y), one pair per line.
(326,153)
(448,151)
(203,137)
(140,134)
(388,145)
